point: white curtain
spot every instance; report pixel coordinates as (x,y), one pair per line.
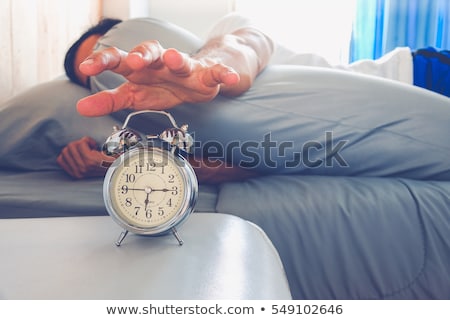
(34,37)
(317,26)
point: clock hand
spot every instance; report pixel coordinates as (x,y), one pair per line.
(163,190)
(132,189)
(148,190)
(147,201)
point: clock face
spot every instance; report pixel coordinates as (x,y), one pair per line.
(149,190)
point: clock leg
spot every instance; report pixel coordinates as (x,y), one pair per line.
(177,236)
(122,236)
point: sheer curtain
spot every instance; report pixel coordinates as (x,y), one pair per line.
(382,25)
(34,37)
(323,27)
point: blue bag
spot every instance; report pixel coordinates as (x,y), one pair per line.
(432,70)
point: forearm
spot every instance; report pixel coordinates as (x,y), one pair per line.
(246,50)
(217,171)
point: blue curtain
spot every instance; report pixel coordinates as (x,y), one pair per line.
(382,25)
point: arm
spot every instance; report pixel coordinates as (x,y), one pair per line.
(246,50)
(217,171)
(161,78)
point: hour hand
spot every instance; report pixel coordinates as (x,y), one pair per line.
(147,201)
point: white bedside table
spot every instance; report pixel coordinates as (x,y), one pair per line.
(223,257)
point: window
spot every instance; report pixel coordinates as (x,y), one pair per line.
(323,27)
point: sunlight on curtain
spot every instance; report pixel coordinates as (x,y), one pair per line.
(321,26)
(417,24)
(382,25)
(35,36)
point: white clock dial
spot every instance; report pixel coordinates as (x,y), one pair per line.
(149,190)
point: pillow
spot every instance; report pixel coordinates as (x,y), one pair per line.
(317,121)
(36,124)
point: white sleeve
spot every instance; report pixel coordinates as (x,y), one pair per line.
(228,24)
(282,55)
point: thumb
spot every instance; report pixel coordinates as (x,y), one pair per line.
(220,74)
(105,102)
(90,142)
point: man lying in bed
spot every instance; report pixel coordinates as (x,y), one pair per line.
(153,77)
(226,65)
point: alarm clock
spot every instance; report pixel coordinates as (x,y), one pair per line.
(150,188)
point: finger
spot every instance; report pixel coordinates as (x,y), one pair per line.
(90,142)
(109,59)
(106,102)
(219,74)
(76,160)
(86,159)
(68,163)
(147,54)
(63,164)
(177,62)
(84,148)
(93,160)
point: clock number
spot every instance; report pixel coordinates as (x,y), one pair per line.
(174,191)
(160,211)
(138,169)
(124,189)
(130,178)
(151,166)
(171,178)
(128,202)
(148,213)
(169,203)
(137,210)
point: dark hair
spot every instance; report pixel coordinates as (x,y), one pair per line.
(69,61)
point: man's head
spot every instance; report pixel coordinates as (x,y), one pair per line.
(83,47)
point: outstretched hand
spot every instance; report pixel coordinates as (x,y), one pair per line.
(158,79)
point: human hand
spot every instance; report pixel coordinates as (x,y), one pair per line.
(81,159)
(158,79)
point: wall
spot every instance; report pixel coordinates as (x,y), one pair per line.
(323,27)
(34,37)
(195,15)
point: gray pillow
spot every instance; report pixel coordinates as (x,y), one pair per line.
(36,124)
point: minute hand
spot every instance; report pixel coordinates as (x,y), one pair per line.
(163,190)
(132,189)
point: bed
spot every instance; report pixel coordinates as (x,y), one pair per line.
(340,235)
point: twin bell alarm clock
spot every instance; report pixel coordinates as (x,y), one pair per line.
(150,188)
